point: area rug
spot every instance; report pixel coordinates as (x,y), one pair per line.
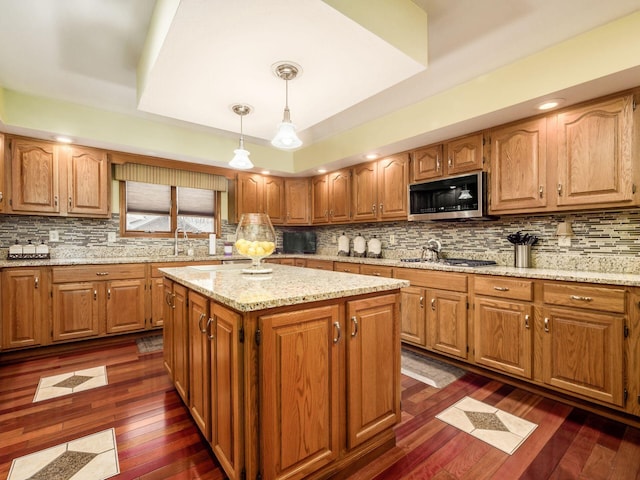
(92,457)
(499,429)
(149,344)
(429,370)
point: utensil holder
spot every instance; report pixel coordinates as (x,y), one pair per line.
(522,258)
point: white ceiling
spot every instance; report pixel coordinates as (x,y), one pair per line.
(218,53)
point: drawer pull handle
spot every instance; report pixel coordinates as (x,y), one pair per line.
(336,325)
(210,336)
(354,321)
(200,327)
(102,274)
(70,202)
(501,289)
(421,302)
(36,282)
(559,189)
(433,304)
(546,324)
(541,191)
(95,294)
(581,298)
(437,163)
(108,294)
(526,321)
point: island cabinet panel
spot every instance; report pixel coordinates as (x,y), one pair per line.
(373,367)
(227,372)
(24,307)
(168,343)
(199,362)
(76,310)
(583,353)
(2,165)
(180,341)
(503,335)
(300,391)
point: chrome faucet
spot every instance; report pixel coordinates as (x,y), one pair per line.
(175,241)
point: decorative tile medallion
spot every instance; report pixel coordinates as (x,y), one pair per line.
(94,457)
(499,429)
(71,382)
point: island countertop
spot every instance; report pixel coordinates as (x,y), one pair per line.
(286,285)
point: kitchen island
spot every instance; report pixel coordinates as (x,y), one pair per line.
(291,374)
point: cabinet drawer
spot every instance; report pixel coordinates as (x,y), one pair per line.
(84,273)
(346,267)
(376,271)
(580,296)
(456,282)
(514,289)
(320,264)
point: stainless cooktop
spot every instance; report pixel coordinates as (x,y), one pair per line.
(458,262)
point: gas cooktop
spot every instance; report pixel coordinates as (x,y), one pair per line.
(458,262)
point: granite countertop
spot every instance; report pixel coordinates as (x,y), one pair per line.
(286,285)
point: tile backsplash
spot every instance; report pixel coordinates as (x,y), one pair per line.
(602,241)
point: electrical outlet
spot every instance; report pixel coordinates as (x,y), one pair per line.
(334,239)
(392,239)
(54,236)
(564,241)
(111,237)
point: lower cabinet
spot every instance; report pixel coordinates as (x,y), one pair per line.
(24,307)
(447,322)
(413,326)
(199,362)
(176,337)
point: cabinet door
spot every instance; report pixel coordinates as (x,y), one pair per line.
(595,162)
(582,353)
(300,390)
(320,199)
(393,178)
(168,344)
(250,194)
(340,196)
(519,167)
(365,197)
(426,163)
(125,305)
(180,342)
(22,308)
(157,302)
(503,335)
(274,197)
(199,363)
(413,327)
(87,182)
(76,310)
(373,367)
(447,322)
(2,163)
(297,200)
(464,154)
(226,389)
(34,177)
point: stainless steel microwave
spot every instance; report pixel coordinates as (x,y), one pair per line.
(450,198)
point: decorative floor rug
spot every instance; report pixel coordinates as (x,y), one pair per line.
(428,370)
(149,344)
(499,429)
(70,382)
(94,457)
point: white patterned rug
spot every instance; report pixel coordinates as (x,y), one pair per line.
(149,344)
(429,370)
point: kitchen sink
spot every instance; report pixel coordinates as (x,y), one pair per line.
(458,262)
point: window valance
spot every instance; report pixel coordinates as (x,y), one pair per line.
(135,172)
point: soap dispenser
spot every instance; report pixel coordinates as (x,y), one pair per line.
(343,245)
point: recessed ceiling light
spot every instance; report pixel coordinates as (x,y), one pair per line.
(63,139)
(266,172)
(371,156)
(322,170)
(549,104)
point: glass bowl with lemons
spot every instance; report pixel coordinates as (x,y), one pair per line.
(256,239)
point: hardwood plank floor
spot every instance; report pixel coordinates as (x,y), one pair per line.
(157,439)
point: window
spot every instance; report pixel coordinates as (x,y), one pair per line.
(157,210)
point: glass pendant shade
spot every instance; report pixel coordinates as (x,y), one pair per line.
(240,158)
(286,136)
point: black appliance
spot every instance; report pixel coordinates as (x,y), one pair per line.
(299,242)
(451,198)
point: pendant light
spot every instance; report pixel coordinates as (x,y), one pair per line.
(241,156)
(286,137)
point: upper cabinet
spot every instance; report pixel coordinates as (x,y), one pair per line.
(580,158)
(2,164)
(460,155)
(297,201)
(50,179)
(379,189)
(331,197)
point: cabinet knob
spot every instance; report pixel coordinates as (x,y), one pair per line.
(380,208)
(433,304)
(546,324)
(108,294)
(373,208)
(69,202)
(450,162)
(559,189)
(354,322)
(421,302)
(336,325)
(438,163)
(541,191)
(526,321)
(36,282)
(55,200)
(95,294)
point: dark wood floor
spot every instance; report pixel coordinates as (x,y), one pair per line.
(157,440)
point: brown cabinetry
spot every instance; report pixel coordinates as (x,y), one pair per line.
(346,267)
(297,201)
(2,164)
(256,193)
(459,155)
(199,362)
(89,301)
(503,325)
(379,189)
(51,179)
(24,307)
(331,197)
(176,337)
